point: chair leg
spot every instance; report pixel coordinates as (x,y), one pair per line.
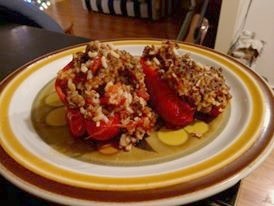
(185,26)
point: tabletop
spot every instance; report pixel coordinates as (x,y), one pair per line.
(257,189)
(21,44)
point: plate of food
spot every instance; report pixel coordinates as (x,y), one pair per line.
(142,122)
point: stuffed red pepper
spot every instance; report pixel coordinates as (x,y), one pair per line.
(105,95)
(182,89)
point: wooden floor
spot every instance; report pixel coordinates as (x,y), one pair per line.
(94,25)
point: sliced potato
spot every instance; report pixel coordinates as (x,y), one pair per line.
(173,137)
(107,149)
(53,100)
(56,117)
(198,128)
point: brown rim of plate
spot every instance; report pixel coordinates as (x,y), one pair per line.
(215,178)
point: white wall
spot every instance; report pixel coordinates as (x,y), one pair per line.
(227,25)
(260,20)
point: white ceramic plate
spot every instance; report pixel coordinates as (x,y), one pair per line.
(32,164)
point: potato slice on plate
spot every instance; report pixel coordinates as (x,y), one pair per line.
(56,117)
(173,137)
(53,100)
(197,129)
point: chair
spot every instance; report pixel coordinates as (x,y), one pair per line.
(20,12)
(195,25)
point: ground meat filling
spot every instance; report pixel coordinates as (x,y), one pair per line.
(201,86)
(104,81)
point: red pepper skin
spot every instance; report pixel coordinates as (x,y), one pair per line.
(215,111)
(61,85)
(60,93)
(76,123)
(171,108)
(106,130)
(207,117)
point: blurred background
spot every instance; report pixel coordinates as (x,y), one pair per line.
(240,28)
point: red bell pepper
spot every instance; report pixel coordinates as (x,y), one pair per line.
(171,108)
(61,85)
(105,131)
(77,124)
(207,117)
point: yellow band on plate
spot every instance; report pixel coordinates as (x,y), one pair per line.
(17,151)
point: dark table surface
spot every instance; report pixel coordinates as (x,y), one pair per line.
(20,44)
